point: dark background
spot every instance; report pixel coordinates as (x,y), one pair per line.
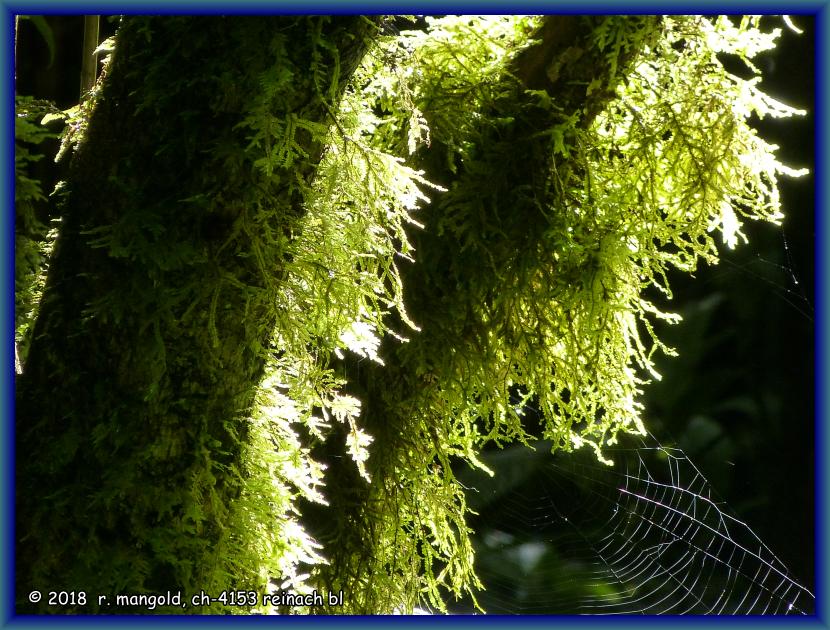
(739,399)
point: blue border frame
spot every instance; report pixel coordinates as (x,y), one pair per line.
(817,8)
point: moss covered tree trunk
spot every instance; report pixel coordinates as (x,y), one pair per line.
(485,239)
(182,198)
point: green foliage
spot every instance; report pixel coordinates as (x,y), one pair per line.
(33,239)
(641,190)
(543,292)
(345,292)
(172,254)
(35,123)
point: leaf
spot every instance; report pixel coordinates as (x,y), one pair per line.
(50,117)
(106,46)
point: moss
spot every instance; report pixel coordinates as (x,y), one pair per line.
(529,271)
(267,341)
(142,375)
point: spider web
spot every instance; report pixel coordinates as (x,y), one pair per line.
(645,536)
(565,534)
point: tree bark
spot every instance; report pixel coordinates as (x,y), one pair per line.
(131,412)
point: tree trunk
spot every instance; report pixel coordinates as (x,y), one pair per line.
(181,200)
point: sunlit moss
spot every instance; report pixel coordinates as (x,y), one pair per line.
(538,297)
(388,275)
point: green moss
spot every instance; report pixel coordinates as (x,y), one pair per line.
(276,321)
(530,269)
(158,312)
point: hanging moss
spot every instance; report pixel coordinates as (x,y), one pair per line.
(135,401)
(277,321)
(560,158)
